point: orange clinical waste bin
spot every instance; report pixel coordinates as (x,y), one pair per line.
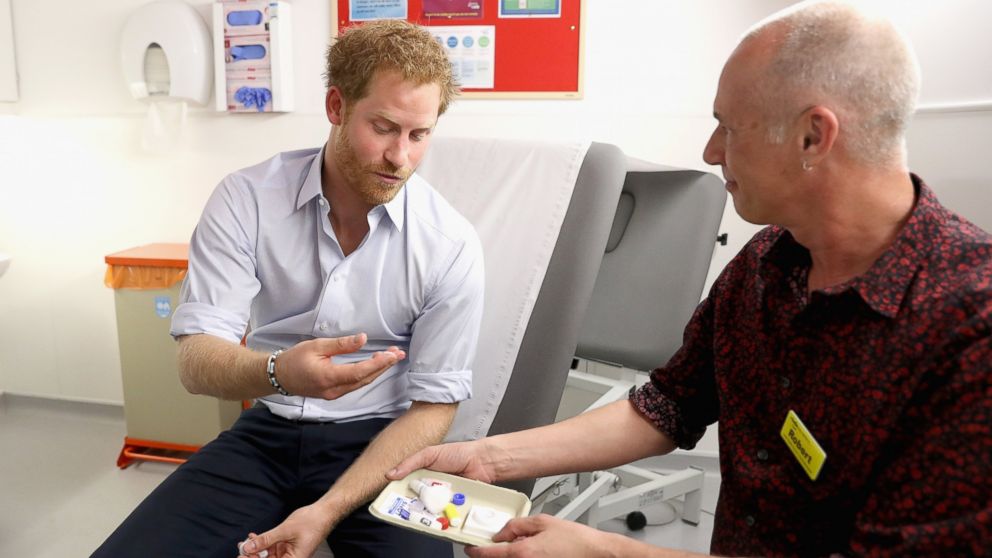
(164,421)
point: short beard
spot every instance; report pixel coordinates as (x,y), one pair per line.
(360,178)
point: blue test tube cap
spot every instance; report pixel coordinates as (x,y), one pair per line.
(458,499)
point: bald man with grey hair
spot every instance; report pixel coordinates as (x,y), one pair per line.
(862,64)
(846,351)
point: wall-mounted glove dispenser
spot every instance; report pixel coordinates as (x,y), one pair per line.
(253,57)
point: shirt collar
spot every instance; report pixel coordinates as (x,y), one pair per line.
(311,188)
(884,286)
(395,207)
(887,281)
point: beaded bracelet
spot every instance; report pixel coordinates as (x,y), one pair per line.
(270,369)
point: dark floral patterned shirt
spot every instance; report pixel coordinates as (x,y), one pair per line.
(890,372)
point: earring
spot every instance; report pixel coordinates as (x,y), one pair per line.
(806,166)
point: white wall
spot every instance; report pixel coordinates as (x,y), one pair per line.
(954,49)
(76,185)
(951,152)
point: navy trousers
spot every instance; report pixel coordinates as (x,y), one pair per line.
(248,480)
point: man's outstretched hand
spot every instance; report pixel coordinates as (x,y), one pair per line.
(306,368)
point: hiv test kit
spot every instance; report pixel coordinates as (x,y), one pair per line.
(449,507)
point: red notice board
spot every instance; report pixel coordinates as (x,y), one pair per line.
(534,56)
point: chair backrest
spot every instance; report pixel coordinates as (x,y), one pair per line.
(543,213)
(655,266)
(548,346)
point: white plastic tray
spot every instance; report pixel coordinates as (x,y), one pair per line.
(512,502)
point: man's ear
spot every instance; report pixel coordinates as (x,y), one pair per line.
(819,128)
(334,105)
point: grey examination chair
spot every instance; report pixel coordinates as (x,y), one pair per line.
(654,250)
(650,282)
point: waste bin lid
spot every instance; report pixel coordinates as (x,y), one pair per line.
(152,255)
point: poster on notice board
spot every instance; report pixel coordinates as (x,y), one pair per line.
(530,8)
(453,9)
(365,10)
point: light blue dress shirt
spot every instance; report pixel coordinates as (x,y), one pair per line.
(264,258)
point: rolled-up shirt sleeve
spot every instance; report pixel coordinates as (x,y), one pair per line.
(445,333)
(221,283)
(681,400)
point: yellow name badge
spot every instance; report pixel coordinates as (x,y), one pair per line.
(804,447)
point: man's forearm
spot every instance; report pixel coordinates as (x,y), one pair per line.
(422,425)
(209,365)
(606,437)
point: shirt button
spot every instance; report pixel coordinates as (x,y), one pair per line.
(763,455)
(323,326)
(785,381)
(749,520)
(321,202)
(337,278)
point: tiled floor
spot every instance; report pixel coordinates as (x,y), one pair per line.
(61,493)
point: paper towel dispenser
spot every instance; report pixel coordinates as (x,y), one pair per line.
(181,34)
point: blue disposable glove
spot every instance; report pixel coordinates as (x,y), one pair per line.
(253,96)
(247,52)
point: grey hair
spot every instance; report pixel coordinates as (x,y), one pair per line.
(861,67)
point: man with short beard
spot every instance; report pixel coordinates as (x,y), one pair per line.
(339,262)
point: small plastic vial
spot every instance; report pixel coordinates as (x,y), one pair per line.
(434,497)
